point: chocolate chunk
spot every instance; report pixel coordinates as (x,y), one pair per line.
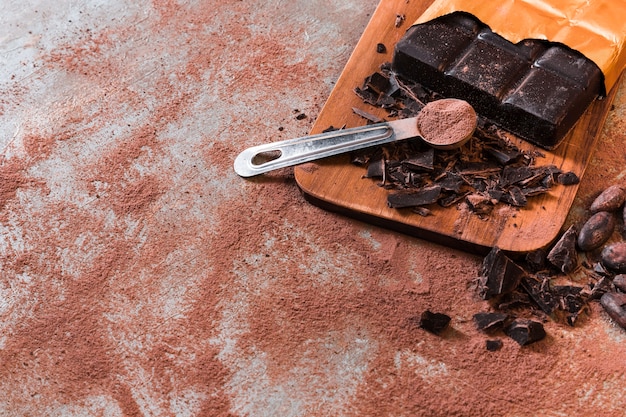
(615,306)
(535,88)
(536,260)
(417,198)
(504,156)
(434,322)
(513,175)
(567,178)
(493,345)
(540,292)
(596,231)
(600,287)
(451,181)
(614,257)
(377,82)
(571,301)
(515,197)
(487,321)
(367,95)
(563,254)
(525,331)
(422,161)
(479,204)
(375,169)
(499,275)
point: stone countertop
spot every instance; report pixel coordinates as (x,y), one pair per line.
(139,275)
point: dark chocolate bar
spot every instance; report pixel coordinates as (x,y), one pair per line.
(535,89)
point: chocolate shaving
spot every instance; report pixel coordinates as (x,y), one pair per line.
(369,116)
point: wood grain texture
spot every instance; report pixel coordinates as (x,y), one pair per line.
(335,184)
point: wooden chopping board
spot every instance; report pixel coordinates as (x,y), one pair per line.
(335,184)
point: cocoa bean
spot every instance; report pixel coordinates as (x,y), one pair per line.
(610,199)
(614,257)
(615,306)
(620,282)
(597,230)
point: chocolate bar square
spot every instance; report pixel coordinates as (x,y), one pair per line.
(535,89)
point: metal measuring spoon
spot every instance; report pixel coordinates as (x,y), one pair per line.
(443,124)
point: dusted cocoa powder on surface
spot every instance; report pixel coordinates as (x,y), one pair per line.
(141,276)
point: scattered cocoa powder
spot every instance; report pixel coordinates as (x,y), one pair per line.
(163,280)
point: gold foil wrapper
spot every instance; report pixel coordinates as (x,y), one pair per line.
(595,28)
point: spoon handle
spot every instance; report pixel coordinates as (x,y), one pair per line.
(263,158)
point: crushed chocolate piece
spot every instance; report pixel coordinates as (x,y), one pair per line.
(376,169)
(568,178)
(525,331)
(421,197)
(599,288)
(377,83)
(571,303)
(479,204)
(368,116)
(504,156)
(493,345)
(331,128)
(368,96)
(539,291)
(499,275)
(515,197)
(434,322)
(421,161)
(563,254)
(488,321)
(536,260)
(514,300)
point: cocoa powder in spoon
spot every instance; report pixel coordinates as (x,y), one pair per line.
(447,122)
